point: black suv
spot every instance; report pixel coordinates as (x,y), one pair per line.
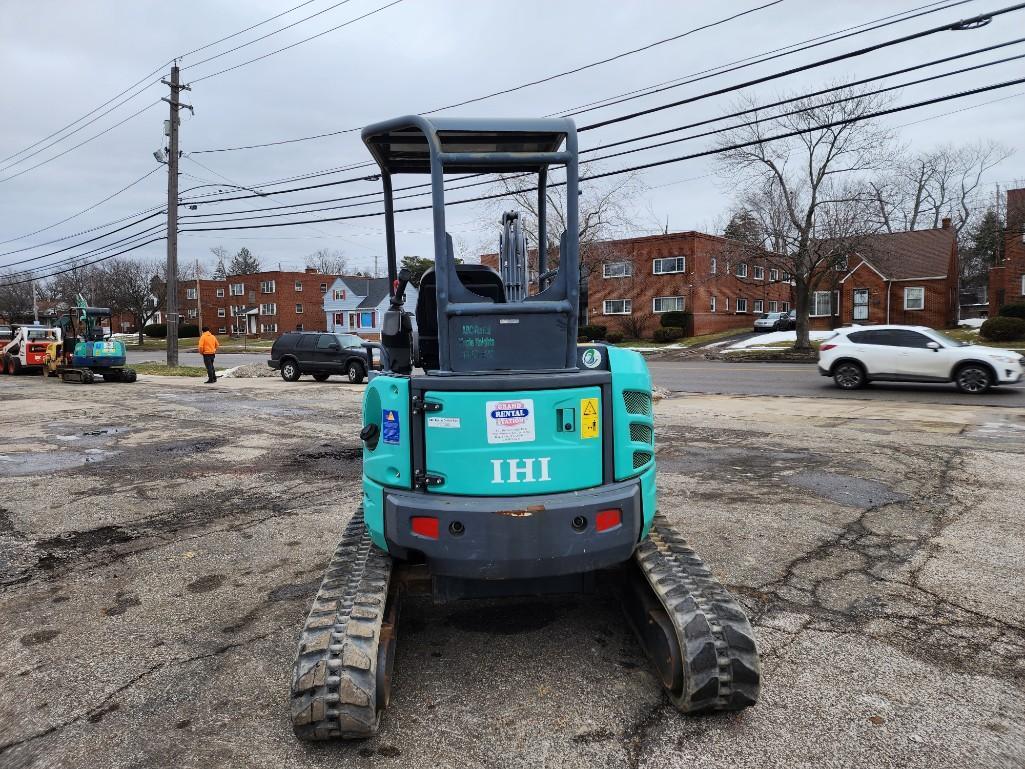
(319,354)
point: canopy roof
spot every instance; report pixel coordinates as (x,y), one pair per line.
(402,145)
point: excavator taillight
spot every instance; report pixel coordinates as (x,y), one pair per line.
(424,526)
(607,519)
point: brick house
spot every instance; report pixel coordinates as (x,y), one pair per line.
(908,278)
(1007,279)
(632,281)
(261,304)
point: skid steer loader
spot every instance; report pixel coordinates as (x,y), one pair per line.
(518,462)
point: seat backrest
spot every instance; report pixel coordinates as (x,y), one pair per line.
(478,278)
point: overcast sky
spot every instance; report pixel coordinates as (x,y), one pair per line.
(62,59)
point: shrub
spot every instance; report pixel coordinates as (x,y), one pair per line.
(187,330)
(156,330)
(1016,310)
(1003,329)
(591,333)
(613,337)
(673,319)
(667,334)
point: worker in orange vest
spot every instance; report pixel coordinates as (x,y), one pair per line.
(208,349)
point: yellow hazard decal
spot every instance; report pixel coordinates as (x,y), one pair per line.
(589,418)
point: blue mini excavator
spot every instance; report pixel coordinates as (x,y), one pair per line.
(518,462)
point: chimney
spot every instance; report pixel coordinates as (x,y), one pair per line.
(946,222)
(313,270)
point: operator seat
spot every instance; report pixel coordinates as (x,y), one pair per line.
(478,278)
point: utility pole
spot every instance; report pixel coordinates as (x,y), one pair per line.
(35,306)
(172,214)
(199,298)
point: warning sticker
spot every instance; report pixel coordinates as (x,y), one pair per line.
(510,421)
(450,422)
(589,418)
(390,430)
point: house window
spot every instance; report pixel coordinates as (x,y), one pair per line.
(220,312)
(220,293)
(190,293)
(268,328)
(617,270)
(616,307)
(714,265)
(774,275)
(712,303)
(298,309)
(841,264)
(741,305)
(238,309)
(193,313)
(267,287)
(323,288)
(299,286)
(340,319)
(759,305)
(821,304)
(268,309)
(671,264)
(773,306)
(237,289)
(859,304)
(299,326)
(338,293)
(759,273)
(786,276)
(785,307)
(726,303)
(914,298)
(742,270)
(364,319)
(667,304)
(222,330)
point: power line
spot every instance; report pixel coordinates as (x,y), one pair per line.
(691,156)
(82,265)
(75,257)
(81,243)
(511,89)
(73,216)
(298,42)
(969,23)
(80,144)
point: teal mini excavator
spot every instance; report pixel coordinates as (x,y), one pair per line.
(517,463)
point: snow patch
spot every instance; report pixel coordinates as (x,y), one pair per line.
(972,322)
(777,336)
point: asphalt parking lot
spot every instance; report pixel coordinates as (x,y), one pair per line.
(160,543)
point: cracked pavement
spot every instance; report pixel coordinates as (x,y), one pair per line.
(160,543)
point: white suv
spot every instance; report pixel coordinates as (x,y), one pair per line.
(861,354)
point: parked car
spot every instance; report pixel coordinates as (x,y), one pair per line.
(862,354)
(769,321)
(319,354)
(788,322)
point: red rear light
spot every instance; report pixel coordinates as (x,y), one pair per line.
(825,347)
(607,519)
(424,526)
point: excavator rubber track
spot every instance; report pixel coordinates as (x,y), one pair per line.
(695,633)
(341,679)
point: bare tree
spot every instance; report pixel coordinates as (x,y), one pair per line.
(15,297)
(920,190)
(64,289)
(328,261)
(133,287)
(805,189)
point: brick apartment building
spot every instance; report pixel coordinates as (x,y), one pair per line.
(261,304)
(1007,279)
(631,282)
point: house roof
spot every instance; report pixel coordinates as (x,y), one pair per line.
(908,255)
(372,289)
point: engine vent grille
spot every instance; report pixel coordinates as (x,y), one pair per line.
(640,433)
(637,402)
(641,458)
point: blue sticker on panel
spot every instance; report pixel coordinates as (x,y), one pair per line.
(390,426)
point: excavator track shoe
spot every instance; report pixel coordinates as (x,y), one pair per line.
(338,690)
(712,664)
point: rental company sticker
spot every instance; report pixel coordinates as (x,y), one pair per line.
(390,426)
(452,423)
(510,421)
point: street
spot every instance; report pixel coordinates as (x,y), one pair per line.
(160,544)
